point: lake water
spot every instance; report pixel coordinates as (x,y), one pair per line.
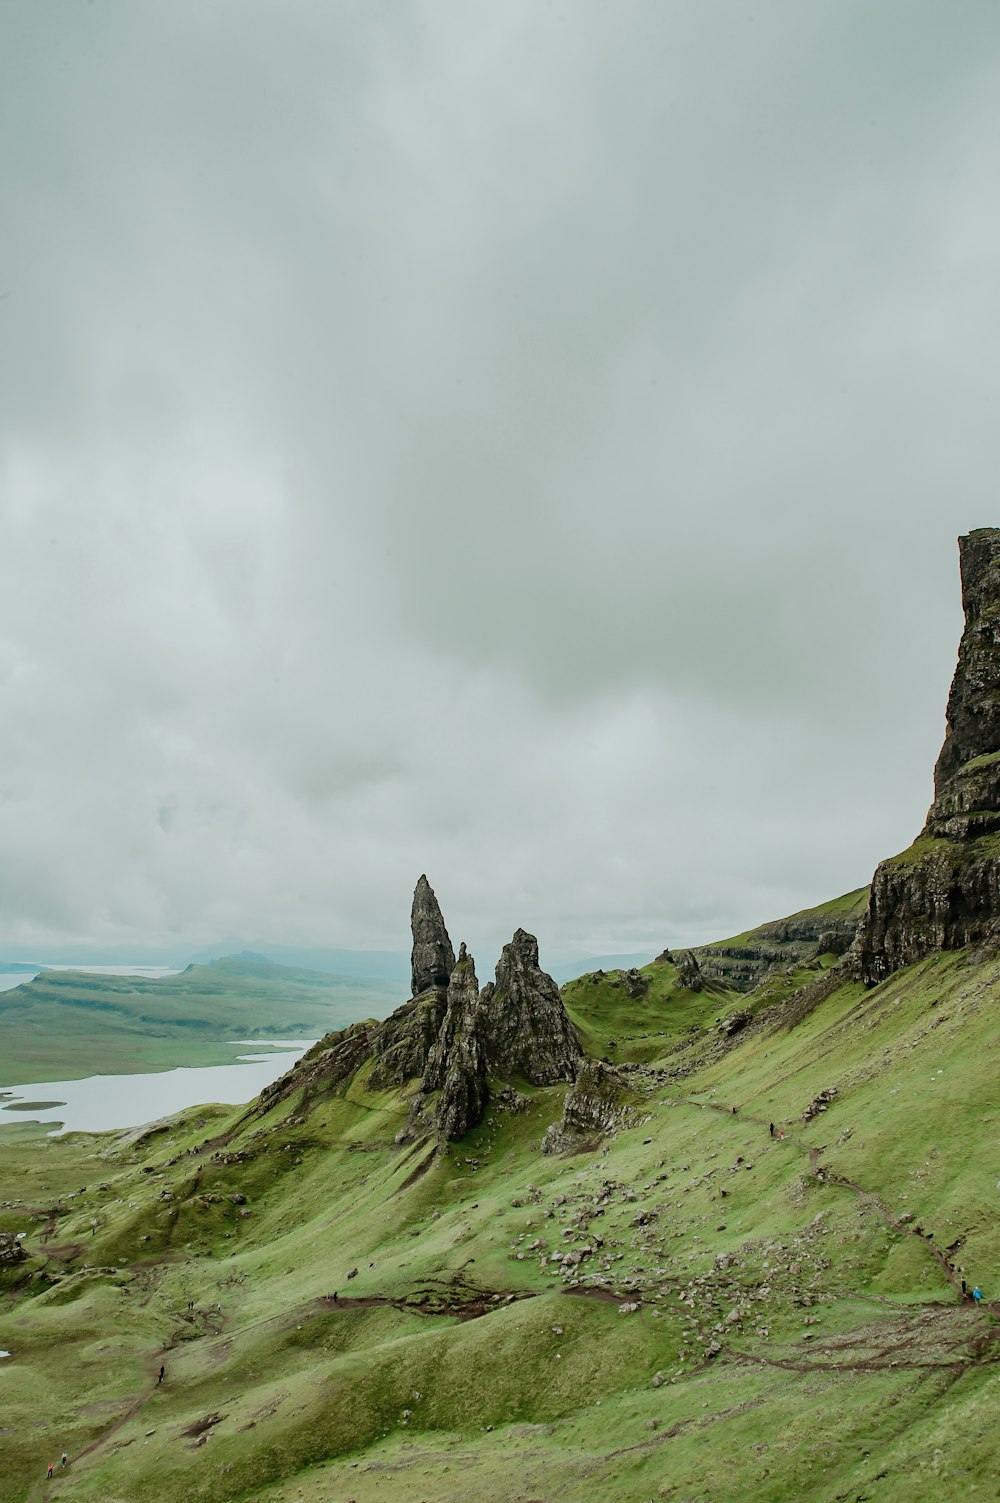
(101,1103)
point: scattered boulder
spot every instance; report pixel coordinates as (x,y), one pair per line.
(635,983)
(11,1250)
(819,1103)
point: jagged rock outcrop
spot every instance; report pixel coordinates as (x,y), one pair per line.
(635,983)
(455,1065)
(449,1038)
(526,1030)
(593,1107)
(11,1251)
(689,972)
(432,958)
(944,892)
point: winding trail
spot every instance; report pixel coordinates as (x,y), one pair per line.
(828,1177)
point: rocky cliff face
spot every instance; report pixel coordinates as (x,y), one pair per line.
(944,892)
(525,1027)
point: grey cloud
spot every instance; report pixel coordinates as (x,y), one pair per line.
(521,443)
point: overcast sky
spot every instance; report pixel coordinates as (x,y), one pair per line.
(523,442)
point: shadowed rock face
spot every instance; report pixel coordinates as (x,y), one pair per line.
(526,1029)
(406,1038)
(593,1107)
(944,893)
(973,724)
(433,959)
(455,1065)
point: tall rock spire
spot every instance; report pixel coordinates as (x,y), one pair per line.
(433,959)
(944,892)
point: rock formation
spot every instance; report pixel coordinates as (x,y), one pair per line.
(689,972)
(11,1251)
(449,1037)
(406,1039)
(593,1107)
(944,892)
(432,959)
(455,1065)
(525,1027)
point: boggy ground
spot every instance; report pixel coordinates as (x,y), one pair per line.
(798,1330)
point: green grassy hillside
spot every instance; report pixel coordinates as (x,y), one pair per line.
(67,1024)
(694,1310)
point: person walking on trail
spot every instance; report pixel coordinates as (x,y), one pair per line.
(772,1129)
(977,1294)
(965,1290)
(163,1373)
(65,1459)
(52,1468)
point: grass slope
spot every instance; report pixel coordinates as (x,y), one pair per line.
(798,1331)
(67,1024)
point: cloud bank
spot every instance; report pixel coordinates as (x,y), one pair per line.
(524,443)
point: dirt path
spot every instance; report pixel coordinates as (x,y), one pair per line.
(828,1176)
(41,1491)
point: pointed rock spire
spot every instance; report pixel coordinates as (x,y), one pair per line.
(433,959)
(525,1027)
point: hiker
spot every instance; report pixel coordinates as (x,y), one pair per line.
(734,1111)
(335,1296)
(965,1289)
(65,1459)
(52,1467)
(772,1129)
(977,1294)
(163,1373)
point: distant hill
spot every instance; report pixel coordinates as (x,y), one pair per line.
(64,1024)
(376,965)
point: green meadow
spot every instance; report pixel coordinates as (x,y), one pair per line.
(692,1310)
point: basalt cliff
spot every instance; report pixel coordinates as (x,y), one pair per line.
(944,892)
